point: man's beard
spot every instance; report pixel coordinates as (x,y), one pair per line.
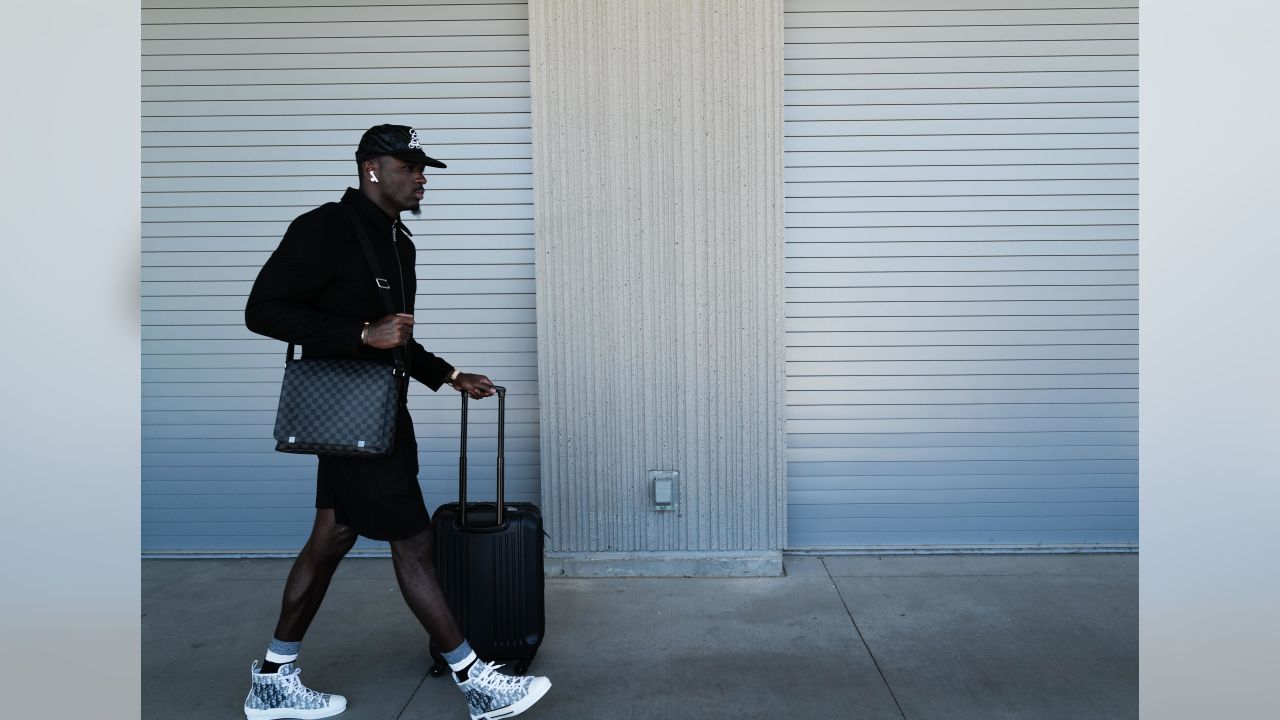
(416,210)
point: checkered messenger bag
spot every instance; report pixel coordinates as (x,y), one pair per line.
(341,406)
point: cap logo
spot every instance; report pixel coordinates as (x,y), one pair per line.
(414,143)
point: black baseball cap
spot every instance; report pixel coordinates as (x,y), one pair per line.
(398,140)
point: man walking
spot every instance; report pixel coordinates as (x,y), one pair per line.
(317,290)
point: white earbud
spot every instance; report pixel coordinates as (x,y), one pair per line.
(372,176)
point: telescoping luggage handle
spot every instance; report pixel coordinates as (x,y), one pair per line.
(462,457)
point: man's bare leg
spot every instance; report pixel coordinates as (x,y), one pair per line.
(415,565)
(309,578)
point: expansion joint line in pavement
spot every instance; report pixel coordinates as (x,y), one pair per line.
(413,694)
(858,630)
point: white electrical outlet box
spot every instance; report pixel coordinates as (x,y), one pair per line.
(664,488)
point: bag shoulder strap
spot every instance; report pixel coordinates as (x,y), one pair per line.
(384,287)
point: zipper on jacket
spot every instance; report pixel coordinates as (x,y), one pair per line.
(404,307)
(395,250)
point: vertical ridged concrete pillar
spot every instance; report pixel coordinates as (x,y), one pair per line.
(658,205)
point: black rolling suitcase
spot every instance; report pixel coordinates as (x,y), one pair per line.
(489,560)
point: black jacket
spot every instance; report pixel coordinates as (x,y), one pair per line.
(317,290)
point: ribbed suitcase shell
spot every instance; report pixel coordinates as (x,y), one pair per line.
(493,578)
(492,574)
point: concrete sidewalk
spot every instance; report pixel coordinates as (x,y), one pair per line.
(936,637)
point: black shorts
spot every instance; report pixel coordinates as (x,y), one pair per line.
(377,497)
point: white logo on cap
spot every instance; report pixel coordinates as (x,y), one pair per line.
(414,143)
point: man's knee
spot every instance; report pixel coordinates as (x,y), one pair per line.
(343,539)
(330,538)
(420,548)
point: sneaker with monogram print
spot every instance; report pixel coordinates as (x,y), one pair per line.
(281,694)
(492,695)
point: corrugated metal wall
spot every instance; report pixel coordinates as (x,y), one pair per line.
(250,117)
(961,272)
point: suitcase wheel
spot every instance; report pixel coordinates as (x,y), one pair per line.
(437,670)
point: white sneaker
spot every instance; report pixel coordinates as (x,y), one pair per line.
(281,694)
(492,695)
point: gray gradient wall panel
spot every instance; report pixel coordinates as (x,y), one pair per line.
(658,188)
(961,273)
